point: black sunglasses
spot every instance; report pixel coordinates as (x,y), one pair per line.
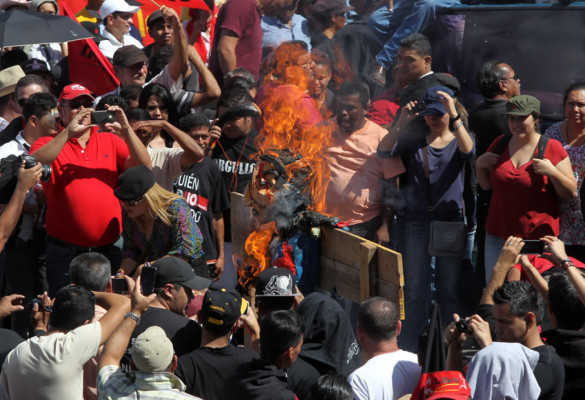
(135,202)
(74,105)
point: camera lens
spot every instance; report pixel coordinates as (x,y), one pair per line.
(46,174)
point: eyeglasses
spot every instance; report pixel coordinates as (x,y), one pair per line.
(21,102)
(74,105)
(133,203)
(515,78)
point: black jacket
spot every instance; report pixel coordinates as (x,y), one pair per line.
(258,380)
(329,343)
(570,346)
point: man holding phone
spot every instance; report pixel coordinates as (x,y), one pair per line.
(86,166)
(174,282)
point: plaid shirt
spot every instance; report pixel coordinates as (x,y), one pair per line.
(113,384)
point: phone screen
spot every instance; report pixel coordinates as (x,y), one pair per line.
(532,247)
(147,277)
(102,117)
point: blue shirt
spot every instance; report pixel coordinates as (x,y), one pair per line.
(274,31)
(446,167)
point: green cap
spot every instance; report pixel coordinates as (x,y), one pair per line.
(523,105)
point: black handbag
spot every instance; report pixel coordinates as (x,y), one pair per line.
(447,238)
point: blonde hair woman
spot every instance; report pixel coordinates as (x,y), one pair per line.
(156,222)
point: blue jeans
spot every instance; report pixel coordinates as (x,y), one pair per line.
(493,247)
(413,242)
(408,16)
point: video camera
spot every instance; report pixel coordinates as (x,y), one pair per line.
(9,173)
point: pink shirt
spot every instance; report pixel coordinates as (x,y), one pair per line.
(355,190)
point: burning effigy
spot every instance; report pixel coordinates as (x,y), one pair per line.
(287,190)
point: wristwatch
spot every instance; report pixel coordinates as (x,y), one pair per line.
(455,118)
(133,316)
(566,263)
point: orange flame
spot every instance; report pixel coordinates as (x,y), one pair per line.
(257,255)
(291,117)
(290,121)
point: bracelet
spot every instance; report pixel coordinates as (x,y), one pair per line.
(566,263)
(459,125)
(458,116)
(133,316)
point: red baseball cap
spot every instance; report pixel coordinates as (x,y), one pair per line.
(74,91)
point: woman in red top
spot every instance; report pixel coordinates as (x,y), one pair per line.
(524,188)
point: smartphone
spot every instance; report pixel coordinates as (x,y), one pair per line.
(103,117)
(532,247)
(245,307)
(211,269)
(147,277)
(119,285)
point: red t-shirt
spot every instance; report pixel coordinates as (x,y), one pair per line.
(542,265)
(524,203)
(384,108)
(242,17)
(81,206)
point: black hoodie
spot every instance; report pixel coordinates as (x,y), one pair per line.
(258,380)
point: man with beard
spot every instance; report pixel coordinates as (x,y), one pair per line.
(174,284)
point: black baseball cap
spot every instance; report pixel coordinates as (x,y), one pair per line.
(222,307)
(156,15)
(129,55)
(175,270)
(276,282)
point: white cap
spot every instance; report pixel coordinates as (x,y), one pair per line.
(152,350)
(111,6)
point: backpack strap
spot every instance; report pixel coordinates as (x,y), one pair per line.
(542,143)
(502,144)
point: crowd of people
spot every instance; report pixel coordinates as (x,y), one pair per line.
(117,267)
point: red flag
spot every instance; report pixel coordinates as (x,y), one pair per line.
(177,4)
(88,66)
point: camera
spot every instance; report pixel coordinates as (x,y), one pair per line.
(9,173)
(420,106)
(462,326)
(32,302)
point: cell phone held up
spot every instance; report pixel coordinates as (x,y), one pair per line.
(532,247)
(103,117)
(147,278)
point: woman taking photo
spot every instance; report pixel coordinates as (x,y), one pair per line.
(571,134)
(156,223)
(435,166)
(524,187)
